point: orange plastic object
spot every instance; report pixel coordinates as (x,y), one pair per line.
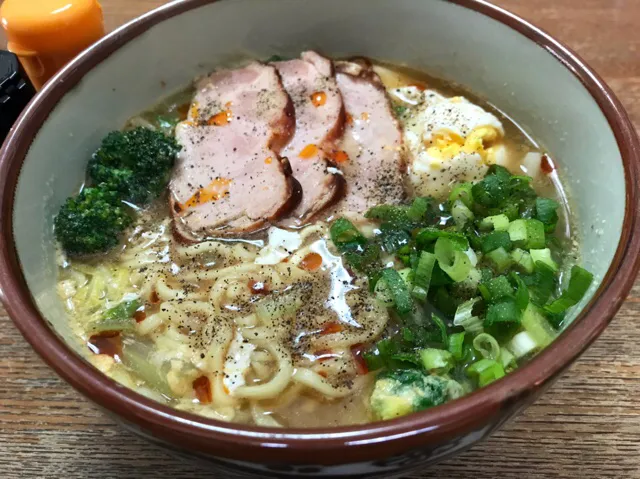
(46,34)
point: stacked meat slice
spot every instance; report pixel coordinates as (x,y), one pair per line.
(311,84)
(279,144)
(230,178)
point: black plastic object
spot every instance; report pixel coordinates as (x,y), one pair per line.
(15,91)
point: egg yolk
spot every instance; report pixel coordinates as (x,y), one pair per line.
(446,145)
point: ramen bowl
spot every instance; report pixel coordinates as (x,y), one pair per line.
(518,68)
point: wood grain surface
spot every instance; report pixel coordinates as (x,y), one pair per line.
(587,426)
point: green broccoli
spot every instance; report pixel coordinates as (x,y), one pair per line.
(91,222)
(400,392)
(135,163)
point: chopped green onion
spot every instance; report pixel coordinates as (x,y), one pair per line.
(456,342)
(542,283)
(422,274)
(491,191)
(546,211)
(418,209)
(463,193)
(398,290)
(497,289)
(426,236)
(392,238)
(527,233)
(487,346)
(389,213)
(442,327)
(461,214)
(490,374)
(495,240)
(497,223)
(506,358)
(523,260)
(346,236)
(522,293)
(407,275)
(500,259)
(544,256)
(501,315)
(464,317)
(479,366)
(579,284)
(486,371)
(522,344)
(452,260)
(534,322)
(438,361)
(119,318)
(383,294)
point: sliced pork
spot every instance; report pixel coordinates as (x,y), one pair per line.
(373,164)
(311,84)
(230,178)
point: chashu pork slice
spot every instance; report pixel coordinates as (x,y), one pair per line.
(311,84)
(230,178)
(374,168)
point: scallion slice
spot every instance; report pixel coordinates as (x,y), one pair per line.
(490,374)
(418,209)
(422,274)
(501,259)
(426,236)
(346,236)
(495,240)
(461,214)
(522,344)
(437,361)
(456,341)
(546,211)
(534,322)
(527,233)
(452,260)
(497,223)
(544,255)
(464,317)
(486,371)
(522,260)
(504,314)
(579,284)
(497,288)
(398,290)
(487,346)
(463,193)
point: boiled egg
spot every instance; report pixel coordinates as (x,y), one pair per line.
(449,140)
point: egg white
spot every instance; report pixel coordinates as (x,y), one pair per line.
(449,140)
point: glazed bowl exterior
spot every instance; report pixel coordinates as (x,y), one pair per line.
(521,70)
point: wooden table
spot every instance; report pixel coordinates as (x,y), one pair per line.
(587,426)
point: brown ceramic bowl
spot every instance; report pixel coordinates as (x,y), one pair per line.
(535,79)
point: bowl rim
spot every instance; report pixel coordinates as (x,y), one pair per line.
(374,440)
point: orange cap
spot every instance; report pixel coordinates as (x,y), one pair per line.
(54,31)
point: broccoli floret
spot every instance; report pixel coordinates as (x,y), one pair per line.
(136,163)
(91,222)
(400,392)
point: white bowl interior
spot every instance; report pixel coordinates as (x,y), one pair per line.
(444,39)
